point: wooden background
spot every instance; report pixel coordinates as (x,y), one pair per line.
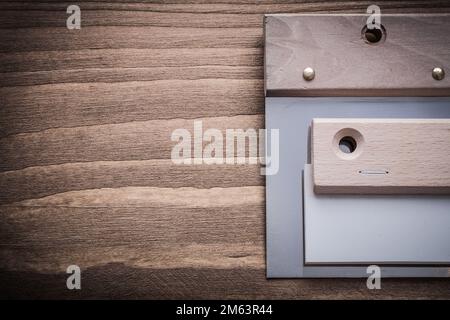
(85,170)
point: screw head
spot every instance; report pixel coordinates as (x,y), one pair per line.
(438,73)
(309,74)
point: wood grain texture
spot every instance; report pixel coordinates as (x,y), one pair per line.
(400,64)
(85,173)
(390,156)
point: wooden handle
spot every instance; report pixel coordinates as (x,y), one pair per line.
(381,156)
(335,47)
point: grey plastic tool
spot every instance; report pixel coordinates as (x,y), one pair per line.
(375,229)
(284,190)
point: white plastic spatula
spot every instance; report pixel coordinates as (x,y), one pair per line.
(375,229)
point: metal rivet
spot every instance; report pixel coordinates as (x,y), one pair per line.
(309,74)
(438,73)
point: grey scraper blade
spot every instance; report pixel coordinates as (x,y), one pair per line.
(375,229)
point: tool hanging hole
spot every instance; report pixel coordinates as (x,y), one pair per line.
(347,144)
(375,35)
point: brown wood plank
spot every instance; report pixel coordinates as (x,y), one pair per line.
(53,18)
(40,181)
(142,232)
(137,140)
(13,14)
(85,124)
(85,59)
(37,108)
(232,7)
(111,37)
(107,282)
(105,75)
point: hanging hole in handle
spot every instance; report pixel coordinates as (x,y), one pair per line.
(347,144)
(375,35)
